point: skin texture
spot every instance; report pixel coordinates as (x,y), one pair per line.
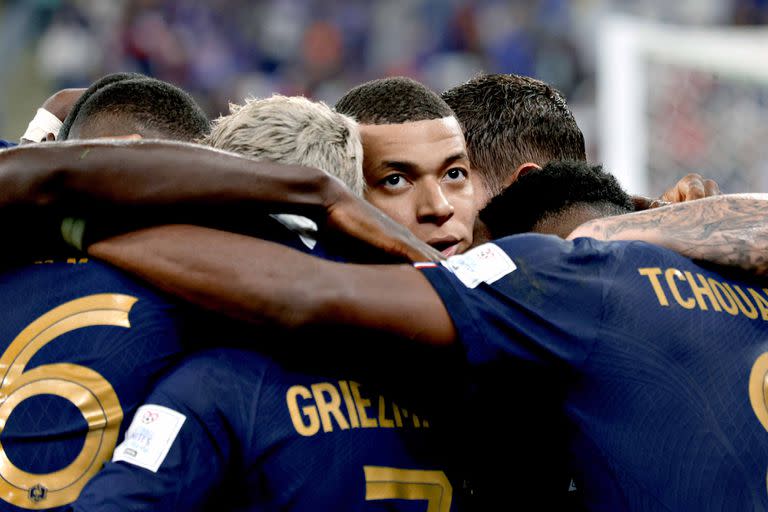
(729,230)
(156,174)
(418,173)
(255,280)
(691,187)
(59,104)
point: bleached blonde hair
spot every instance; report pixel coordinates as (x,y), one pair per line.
(293,130)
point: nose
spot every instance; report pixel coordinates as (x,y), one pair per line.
(433,206)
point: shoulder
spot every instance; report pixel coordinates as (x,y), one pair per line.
(217,373)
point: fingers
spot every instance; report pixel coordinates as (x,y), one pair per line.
(711,188)
(658,203)
(692,186)
(363,221)
(642,202)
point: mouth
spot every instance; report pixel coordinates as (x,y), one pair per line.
(448,247)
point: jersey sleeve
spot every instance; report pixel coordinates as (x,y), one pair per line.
(528,297)
(180,444)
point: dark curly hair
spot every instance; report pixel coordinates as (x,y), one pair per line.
(552,191)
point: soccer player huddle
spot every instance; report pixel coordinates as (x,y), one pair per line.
(409,301)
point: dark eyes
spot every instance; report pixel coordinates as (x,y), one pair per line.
(394,182)
(456,173)
(400,181)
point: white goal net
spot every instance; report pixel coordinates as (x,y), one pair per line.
(673,100)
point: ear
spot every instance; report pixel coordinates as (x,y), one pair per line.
(522,170)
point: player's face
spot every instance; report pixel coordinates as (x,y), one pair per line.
(418,173)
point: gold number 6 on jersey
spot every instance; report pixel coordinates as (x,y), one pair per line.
(85,388)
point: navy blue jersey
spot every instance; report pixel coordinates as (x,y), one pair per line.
(80,347)
(664,364)
(6,144)
(237,430)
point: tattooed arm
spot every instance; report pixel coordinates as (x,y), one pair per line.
(728,230)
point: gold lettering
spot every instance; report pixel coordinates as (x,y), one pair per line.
(671,274)
(361,403)
(722,294)
(762,303)
(653,276)
(328,408)
(384,422)
(310,412)
(353,421)
(416,422)
(398,418)
(742,302)
(701,291)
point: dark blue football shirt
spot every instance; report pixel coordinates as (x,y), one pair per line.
(81,346)
(237,430)
(664,364)
(300,428)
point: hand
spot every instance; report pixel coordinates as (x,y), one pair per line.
(643,203)
(360,219)
(692,186)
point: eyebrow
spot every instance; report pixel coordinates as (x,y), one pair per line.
(409,166)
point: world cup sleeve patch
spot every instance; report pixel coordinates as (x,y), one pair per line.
(150,437)
(486,263)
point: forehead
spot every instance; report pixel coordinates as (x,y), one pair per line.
(418,141)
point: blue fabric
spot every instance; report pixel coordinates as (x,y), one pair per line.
(6,144)
(655,371)
(240,444)
(78,340)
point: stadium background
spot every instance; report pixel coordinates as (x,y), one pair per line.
(223,50)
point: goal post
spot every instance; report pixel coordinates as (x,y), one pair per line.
(673,100)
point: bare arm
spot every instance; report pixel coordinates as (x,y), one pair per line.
(156,173)
(265,283)
(728,230)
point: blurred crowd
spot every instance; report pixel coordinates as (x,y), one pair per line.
(227,49)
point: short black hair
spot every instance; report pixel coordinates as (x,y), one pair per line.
(90,91)
(509,120)
(149,105)
(393,100)
(550,191)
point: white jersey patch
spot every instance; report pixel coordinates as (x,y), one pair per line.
(150,437)
(484,264)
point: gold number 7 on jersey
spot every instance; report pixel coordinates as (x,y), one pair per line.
(85,388)
(383,483)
